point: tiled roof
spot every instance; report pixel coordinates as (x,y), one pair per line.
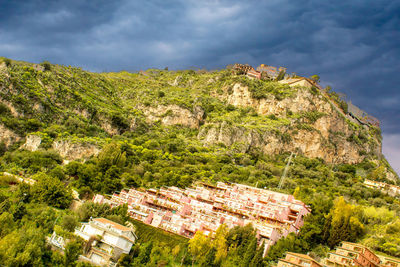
(304,256)
(113,224)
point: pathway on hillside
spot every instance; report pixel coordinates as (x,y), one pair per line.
(31,181)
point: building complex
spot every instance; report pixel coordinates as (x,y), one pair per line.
(352,254)
(390,189)
(347,254)
(295,259)
(206,207)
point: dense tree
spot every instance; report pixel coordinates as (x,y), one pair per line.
(72,251)
(342,223)
(23,247)
(144,254)
(69,223)
(198,245)
(220,244)
(52,191)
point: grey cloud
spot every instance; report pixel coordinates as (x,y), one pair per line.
(391,148)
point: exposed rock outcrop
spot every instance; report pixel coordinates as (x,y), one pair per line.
(72,151)
(327,138)
(8,136)
(32,143)
(174,115)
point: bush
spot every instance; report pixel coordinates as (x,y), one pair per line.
(313,116)
(7,61)
(314,90)
(69,223)
(4,110)
(344,106)
(272,117)
(3,148)
(161,94)
(46,65)
(119,121)
(52,192)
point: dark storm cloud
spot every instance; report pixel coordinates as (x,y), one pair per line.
(353,45)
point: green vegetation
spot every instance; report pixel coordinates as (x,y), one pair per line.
(107,110)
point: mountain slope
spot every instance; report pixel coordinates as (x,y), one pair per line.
(101,132)
(224,108)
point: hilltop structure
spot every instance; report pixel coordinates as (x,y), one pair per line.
(262,72)
(204,208)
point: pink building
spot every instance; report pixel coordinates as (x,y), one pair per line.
(206,207)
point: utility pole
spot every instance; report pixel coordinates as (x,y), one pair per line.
(285,171)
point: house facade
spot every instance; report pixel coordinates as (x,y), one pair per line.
(106,241)
(254,74)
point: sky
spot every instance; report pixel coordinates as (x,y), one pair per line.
(353,45)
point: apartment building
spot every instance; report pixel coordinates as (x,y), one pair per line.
(205,207)
(296,259)
(352,254)
(389,261)
(389,189)
(106,241)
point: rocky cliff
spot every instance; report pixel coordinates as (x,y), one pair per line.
(315,128)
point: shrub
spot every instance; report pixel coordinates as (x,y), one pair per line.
(7,61)
(46,65)
(3,148)
(313,116)
(4,109)
(314,90)
(315,78)
(119,121)
(230,107)
(272,117)
(344,106)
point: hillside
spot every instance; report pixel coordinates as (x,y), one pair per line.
(219,107)
(101,132)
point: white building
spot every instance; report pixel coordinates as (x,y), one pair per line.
(106,240)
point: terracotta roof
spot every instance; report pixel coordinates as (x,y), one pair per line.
(114,224)
(301,256)
(291,263)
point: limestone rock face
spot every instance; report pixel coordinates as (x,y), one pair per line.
(241,97)
(72,151)
(174,115)
(8,136)
(328,138)
(32,143)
